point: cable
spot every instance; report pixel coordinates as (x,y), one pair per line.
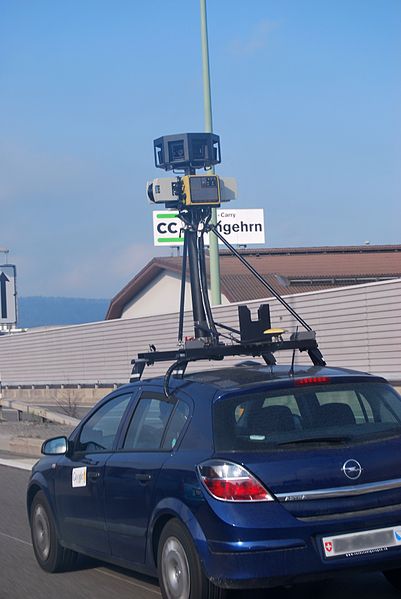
(167,376)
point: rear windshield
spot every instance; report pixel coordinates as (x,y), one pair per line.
(330,413)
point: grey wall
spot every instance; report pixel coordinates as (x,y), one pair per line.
(358,327)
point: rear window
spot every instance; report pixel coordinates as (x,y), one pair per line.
(332,413)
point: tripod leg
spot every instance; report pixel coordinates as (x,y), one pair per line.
(200,324)
(183,283)
(204,288)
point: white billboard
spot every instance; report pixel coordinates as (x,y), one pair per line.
(8,311)
(239,227)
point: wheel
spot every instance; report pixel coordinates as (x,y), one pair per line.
(179,567)
(394,578)
(51,556)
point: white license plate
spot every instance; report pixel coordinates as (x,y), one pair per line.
(361,543)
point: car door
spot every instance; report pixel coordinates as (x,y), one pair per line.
(131,472)
(79,484)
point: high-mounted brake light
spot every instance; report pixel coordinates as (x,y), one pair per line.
(230,482)
(312,380)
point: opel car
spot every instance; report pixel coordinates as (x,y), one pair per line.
(241,477)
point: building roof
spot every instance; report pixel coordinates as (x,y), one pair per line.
(288,270)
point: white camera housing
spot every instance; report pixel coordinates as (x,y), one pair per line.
(161,190)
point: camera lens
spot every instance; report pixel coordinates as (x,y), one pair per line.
(176,151)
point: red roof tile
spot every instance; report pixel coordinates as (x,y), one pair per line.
(288,270)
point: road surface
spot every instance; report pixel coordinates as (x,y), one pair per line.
(21,578)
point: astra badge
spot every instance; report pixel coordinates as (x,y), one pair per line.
(352,469)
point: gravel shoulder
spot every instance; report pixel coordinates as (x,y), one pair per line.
(25,438)
(34,430)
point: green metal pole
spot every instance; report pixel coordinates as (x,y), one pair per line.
(207,104)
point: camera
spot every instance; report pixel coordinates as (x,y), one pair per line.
(192,190)
(187,151)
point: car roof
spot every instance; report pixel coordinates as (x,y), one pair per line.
(247,375)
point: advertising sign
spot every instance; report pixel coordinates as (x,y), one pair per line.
(239,227)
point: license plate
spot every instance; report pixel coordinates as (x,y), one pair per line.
(361,543)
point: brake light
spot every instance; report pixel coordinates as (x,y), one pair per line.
(230,482)
(312,380)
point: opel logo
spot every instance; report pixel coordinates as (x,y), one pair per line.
(352,469)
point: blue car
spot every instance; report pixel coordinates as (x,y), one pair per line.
(243,477)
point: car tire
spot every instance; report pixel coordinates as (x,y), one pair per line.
(50,555)
(179,567)
(394,577)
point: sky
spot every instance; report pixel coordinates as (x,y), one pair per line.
(306,98)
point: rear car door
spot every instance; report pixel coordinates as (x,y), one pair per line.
(79,483)
(131,472)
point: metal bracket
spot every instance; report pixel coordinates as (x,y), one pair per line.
(137,369)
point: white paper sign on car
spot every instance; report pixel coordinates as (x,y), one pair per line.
(79,477)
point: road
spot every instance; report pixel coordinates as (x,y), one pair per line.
(21,578)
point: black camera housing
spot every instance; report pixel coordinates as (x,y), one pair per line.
(187,151)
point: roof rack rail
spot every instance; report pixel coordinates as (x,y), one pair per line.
(195,350)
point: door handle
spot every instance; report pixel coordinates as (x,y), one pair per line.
(143,477)
(93,475)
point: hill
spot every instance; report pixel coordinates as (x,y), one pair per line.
(41,311)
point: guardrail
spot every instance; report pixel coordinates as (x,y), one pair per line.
(22,407)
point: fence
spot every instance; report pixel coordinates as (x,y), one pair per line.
(357,326)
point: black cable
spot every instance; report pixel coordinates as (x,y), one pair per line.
(225,326)
(230,338)
(168,374)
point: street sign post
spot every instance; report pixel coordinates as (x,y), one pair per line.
(239,227)
(8,294)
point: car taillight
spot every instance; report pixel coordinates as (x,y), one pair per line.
(230,482)
(312,380)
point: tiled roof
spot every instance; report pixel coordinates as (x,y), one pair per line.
(288,270)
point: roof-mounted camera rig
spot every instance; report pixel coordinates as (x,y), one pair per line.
(193,196)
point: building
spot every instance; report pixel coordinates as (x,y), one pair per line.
(156,288)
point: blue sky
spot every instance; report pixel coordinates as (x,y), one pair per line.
(306,100)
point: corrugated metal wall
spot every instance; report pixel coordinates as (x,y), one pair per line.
(358,327)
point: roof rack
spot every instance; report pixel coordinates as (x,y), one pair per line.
(302,341)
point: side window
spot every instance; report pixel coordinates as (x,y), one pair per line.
(176,425)
(148,423)
(366,407)
(382,405)
(98,433)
